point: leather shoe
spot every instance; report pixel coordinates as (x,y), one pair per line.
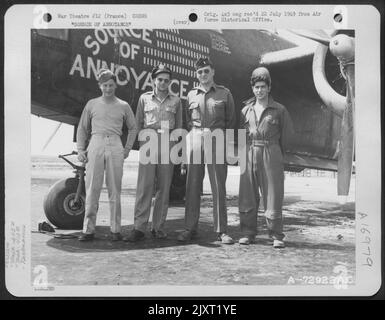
(278,244)
(185,236)
(116,236)
(134,236)
(225,239)
(158,234)
(86,237)
(246,240)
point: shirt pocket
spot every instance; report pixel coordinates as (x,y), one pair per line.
(219,109)
(272,121)
(168,117)
(194,111)
(271,126)
(150,114)
(171,109)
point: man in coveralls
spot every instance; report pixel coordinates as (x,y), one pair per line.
(160,111)
(100,147)
(209,106)
(268,127)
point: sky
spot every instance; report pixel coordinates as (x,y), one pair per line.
(42,129)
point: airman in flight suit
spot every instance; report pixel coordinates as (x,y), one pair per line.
(268,128)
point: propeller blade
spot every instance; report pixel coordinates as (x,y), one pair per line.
(323,38)
(52,135)
(345,159)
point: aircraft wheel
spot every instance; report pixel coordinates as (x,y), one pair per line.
(178,185)
(60,207)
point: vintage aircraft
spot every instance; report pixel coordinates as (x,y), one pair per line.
(65,63)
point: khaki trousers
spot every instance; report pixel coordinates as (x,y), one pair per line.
(149,175)
(105,157)
(264,171)
(195,174)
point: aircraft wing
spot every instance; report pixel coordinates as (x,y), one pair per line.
(305,42)
(41,111)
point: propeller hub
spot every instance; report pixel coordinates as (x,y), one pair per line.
(342,47)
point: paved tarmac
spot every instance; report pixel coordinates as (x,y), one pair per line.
(320,235)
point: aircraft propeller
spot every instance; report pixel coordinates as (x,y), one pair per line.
(342,47)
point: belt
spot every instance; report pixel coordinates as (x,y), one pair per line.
(158,130)
(163,130)
(202,129)
(262,143)
(206,129)
(109,135)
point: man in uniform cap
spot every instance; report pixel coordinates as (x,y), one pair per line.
(100,146)
(209,107)
(268,128)
(160,111)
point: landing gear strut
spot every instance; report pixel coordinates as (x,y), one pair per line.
(64,204)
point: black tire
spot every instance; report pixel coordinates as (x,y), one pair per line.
(178,185)
(59,207)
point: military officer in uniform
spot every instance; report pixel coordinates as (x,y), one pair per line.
(268,128)
(160,111)
(100,147)
(209,106)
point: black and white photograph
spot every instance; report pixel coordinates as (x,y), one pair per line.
(219,152)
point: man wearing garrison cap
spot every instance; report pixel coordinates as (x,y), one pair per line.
(209,106)
(160,111)
(100,146)
(268,128)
